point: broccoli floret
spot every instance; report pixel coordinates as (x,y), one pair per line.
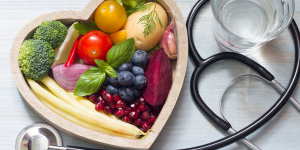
(36,58)
(54,32)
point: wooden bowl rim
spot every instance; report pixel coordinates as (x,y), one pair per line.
(80,132)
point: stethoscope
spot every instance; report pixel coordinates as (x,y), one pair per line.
(201,64)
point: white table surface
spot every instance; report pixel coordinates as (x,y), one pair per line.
(187,126)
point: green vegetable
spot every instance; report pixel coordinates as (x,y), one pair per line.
(36,58)
(154,49)
(89,82)
(131,5)
(120,53)
(149,20)
(54,32)
(83,28)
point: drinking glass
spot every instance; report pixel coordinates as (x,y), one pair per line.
(243,26)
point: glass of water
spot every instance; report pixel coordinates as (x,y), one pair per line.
(243,26)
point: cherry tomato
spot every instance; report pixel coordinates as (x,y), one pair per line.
(110,16)
(94,45)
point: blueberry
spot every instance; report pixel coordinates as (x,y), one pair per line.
(137,93)
(125,67)
(112,90)
(126,93)
(137,71)
(114,81)
(140,82)
(106,82)
(140,58)
(126,78)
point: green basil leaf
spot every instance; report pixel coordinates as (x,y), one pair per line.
(89,82)
(102,65)
(120,53)
(111,72)
(83,28)
(120,2)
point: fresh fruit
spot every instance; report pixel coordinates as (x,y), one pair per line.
(134,115)
(159,76)
(145,125)
(118,36)
(133,106)
(116,97)
(108,97)
(110,16)
(126,94)
(145,115)
(152,119)
(119,113)
(114,81)
(139,58)
(126,78)
(99,106)
(137,71)
(107,110)
(106,81)
(112,90)
(137,122)
(140,82)
(121,104)
(143,107)
(127,119)
(127,111)
(92,98)
(137,92)
(125,67)
(94,45)
(103,93)
(141,100)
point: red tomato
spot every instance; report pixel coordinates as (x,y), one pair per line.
(94,45)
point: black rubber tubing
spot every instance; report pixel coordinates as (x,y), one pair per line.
(265,117)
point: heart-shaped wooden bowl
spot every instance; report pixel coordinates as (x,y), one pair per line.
(68,17)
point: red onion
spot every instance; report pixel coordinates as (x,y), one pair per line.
(168,41)
(67,77)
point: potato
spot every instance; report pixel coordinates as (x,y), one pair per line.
(135,29)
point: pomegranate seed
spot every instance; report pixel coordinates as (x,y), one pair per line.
(133,106)
(121,104)
(143,107)
(145,126)
(116,97)
(138,111)
(142,100)
(98,100)
(107,110)
(137,103)
(108,97)
(145,115)
(142,129)
(103,102)
(154,113)
(137,122)
(152,119)
(99,107)
(103,93)
(112,105)
(156,109)
(127,111)
(119,113)
(92,98)
(126,119)
(134,115)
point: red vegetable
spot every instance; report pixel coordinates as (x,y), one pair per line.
(67,77)
(73,54)
(159,78)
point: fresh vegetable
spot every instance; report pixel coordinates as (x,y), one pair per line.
(35,58)
(168,41)
(132,6)
(84,28)
(63,51)
(67,77)
(54,32)
(94,45)
(78,110)
(91,80)
(73,54)
(155,48)
(147,30)
(118,36)
(159,76)
(110,16)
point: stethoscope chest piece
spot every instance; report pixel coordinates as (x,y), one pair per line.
(35,130)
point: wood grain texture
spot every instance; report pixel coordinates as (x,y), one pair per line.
(187,126)
(67,17)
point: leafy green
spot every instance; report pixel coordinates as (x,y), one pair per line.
(103,66)
(35,58)
(120,2)
(155,48)
(89,82)
(83,28)
(53,32)
(120,53)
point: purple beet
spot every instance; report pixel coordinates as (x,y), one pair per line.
(159,78)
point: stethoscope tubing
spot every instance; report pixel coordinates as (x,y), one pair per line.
(201,64)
